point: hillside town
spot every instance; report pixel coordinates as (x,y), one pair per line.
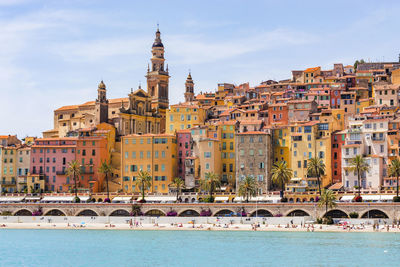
(317,119)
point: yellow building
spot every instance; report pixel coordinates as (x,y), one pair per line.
(310,140)
(154,153)
(227,132)
(281,144)
(184,116)
(8,169)
(396,76)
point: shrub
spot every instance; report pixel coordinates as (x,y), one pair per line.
(172,213)
(319,220)
(396,199)
(316,199)
(206,213)
(136,210)
(6,213)
(107,200)
(37,212)
(278,215)
(353,215)
(209,200)
(284,199)
(328,220)
(76,200)
(357,199)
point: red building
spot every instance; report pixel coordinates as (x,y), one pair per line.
(184,141)
(337,141)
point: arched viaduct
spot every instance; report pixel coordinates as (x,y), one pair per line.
(364,210)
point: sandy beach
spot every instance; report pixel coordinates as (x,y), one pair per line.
(207,227)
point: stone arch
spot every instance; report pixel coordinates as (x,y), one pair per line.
(23,212)
(100,200)
(224,212)
(291,199)
(261,213)
(155,213)
(55,212)
(297,213)
(375,214)
(189,213)
(336,213)
(120,213)
(87,212)
(298,200)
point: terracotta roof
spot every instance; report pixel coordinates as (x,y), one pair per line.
(312,69)
(68,107)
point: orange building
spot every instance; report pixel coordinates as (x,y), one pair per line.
(91,151)
(278,114)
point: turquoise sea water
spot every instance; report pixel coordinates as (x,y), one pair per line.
(195,248)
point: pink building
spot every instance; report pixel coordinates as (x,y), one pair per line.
(49,160)
(184,141)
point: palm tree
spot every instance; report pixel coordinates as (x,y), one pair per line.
(178,183)
(210,183)
(74,170)
(143,181)
(394,171)
(106,169)
(327,199)
(248,188)
(359,165)
(316,168)
(281,174)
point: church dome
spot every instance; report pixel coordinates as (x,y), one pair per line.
(102,85)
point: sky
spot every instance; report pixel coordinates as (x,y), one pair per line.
(54,53)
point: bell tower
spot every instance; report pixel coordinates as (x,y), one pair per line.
(189,89)
(158,79)
(101,104)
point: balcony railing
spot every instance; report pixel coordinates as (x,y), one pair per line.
(62,172)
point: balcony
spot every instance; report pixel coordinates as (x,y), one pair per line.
(354,130)
(354,142)
(378,138)
(8,183)
(62,172)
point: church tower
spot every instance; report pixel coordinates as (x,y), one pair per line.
(158,79)
(101,104)
(189,89)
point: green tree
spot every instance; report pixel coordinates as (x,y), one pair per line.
(358,165)
(143,181)
(106,169)
(178,183)
(281,174)
(327,199)
(248,188)
(210,183)
(316,168)
(74,170)
(394,171)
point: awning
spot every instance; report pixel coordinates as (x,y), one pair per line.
(158,198)
(377,197)
(64,198)
(336,186)
(258,199)
(347,198)
(221,198)
(121,199)
(11,199)
(32,198)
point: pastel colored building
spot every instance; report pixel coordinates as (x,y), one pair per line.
(154,153)
(338,140)
(8,169)
(185,145)
(91,152)
(184,116)
(49,161)
(23,159)
(227,132)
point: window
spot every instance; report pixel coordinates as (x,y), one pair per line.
(299,164)
(207,154)
(261,165)
(134,154)
(251,152)
(141,154)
